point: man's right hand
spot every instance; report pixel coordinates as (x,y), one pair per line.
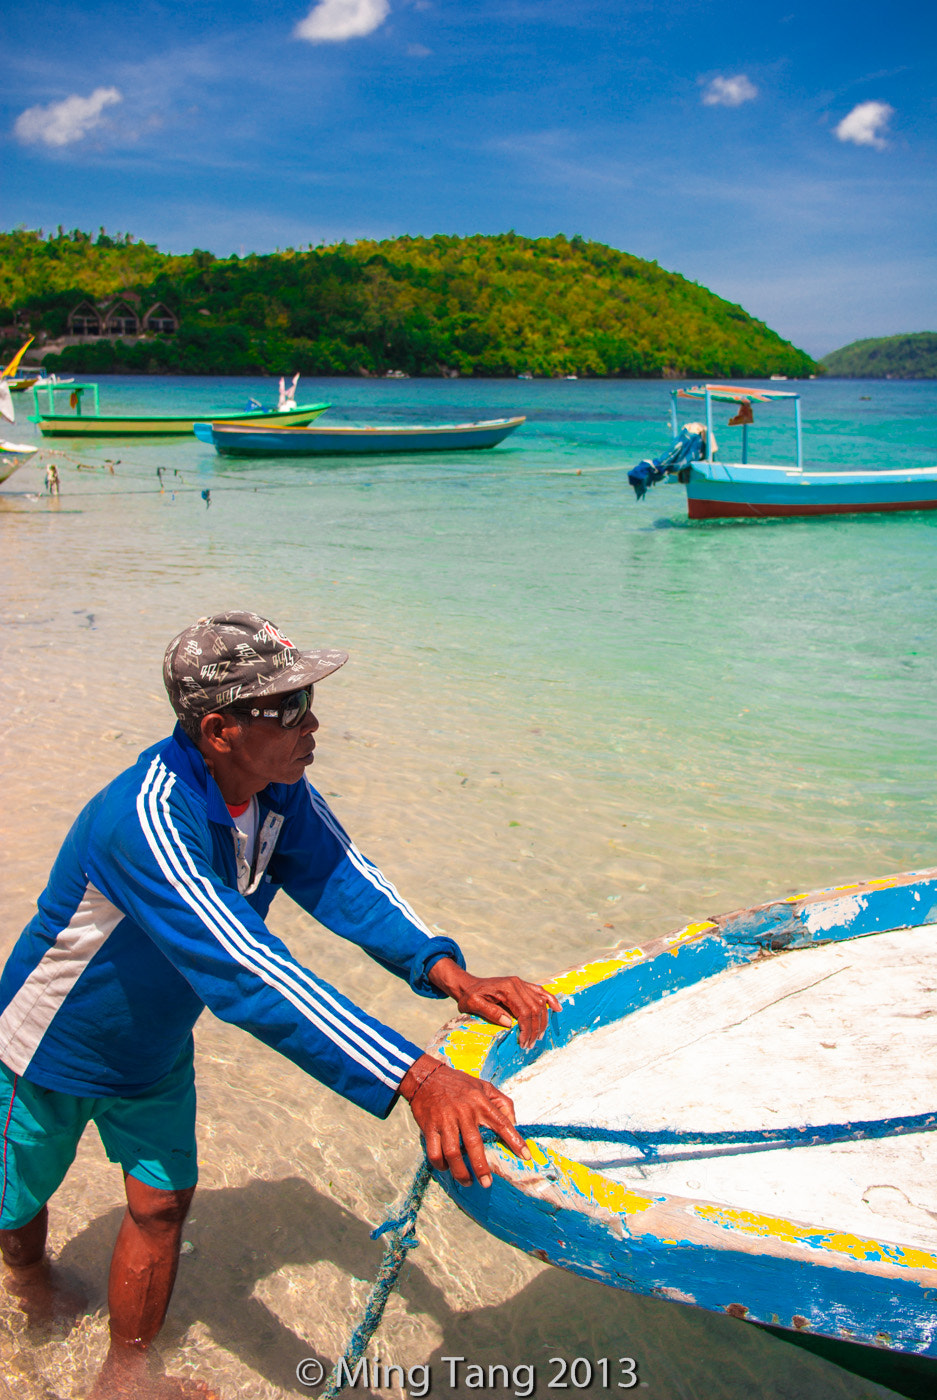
(449,1108)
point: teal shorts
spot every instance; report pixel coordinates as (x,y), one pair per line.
(152,1136)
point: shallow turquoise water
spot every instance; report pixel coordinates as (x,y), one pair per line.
(769,676)
(569,719)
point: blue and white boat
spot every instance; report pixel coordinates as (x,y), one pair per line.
(353,439)
(718,489)
(741,1116)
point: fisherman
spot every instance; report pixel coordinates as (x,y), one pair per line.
(53,485)
(155,908)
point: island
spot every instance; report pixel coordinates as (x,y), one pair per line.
(885,357)
(492,305)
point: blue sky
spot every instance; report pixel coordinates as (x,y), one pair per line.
(782,154)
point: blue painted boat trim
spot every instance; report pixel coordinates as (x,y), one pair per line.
(353,440)
(812,1278)
(772,486)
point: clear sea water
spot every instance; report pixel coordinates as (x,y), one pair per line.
(569,719)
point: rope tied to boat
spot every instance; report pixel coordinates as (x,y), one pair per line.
(648,1143)
(401,1226)
(401,1231)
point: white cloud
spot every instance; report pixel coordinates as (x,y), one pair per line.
(63,123)
(866,124)
(729,92)
(342,19)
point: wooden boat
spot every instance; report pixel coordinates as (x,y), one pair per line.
(717,490)
(37,380)
(760,1094)
(722,489)
(16,383)
(13,455)
(80,423)
(352,439)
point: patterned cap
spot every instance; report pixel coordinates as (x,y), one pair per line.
(235,656)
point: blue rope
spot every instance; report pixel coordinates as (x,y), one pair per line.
(648,1144)
(401,1229)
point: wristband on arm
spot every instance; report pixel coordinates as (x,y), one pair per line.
(421,1075)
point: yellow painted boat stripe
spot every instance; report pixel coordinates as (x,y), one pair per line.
(690,934)
(467,1047)
(577,978)
(841,1242)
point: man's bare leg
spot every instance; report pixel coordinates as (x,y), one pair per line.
(30,1278)
(143,1271)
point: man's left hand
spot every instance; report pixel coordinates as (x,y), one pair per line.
(500,1000)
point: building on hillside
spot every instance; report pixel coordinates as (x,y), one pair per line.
(84,320)
(160,320)
(121,319)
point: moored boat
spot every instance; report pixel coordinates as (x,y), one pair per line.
(13,455)
(82,423)
(352,439)
(35,380)
(741,1116)
(17,383)
(719,489)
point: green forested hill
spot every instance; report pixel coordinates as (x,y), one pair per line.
(888,357)
(497,305)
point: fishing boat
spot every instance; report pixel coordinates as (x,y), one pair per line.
(718,489)
(352,439)
(81,422)
(17,383)
(13,455)
(741,1115)
(35,379)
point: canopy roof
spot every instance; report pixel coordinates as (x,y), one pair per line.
(727,393)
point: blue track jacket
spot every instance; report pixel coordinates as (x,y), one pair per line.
(141,926)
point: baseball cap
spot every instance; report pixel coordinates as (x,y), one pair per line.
(234,656)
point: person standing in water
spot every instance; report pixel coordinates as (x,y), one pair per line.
(155,909)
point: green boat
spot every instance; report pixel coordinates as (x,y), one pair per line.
(80,422)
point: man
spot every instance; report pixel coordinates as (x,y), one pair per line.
(155,909)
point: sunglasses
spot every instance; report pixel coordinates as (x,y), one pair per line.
(289,711)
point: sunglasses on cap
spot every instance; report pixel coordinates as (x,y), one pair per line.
(289,711)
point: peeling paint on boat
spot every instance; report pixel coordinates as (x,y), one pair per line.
(816,1277)
(834,912)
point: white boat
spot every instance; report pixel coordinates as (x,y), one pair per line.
(13,455)
(741,1115)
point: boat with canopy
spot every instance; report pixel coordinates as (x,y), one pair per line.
(721,489)
(81,422)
